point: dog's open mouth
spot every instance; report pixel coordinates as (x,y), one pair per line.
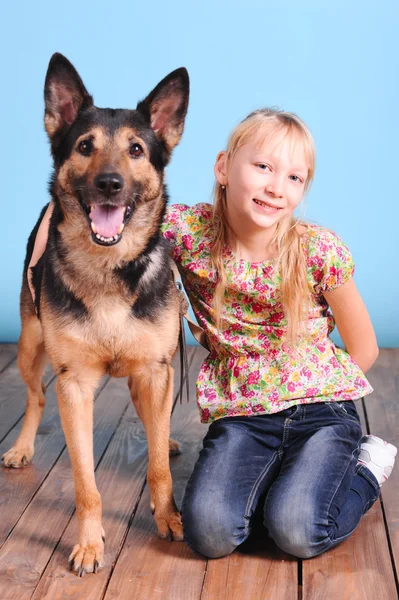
(107,222)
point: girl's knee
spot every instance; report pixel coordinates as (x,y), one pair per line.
(292,529)
(209,528)
(207,542)
(297,543)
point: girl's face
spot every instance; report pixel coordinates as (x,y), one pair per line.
(264,182)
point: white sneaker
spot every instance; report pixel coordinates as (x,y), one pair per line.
(378,456)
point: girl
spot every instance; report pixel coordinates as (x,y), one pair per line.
(285,440)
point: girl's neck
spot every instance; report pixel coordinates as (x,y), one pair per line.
(254,246)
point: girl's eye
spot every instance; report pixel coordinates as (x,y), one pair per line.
(135,150)
(85,147)
(263,166)
(296,178)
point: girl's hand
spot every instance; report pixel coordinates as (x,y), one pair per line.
(40,246)
(30,284)
(183,301)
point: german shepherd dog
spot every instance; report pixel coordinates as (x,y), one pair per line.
(105,297)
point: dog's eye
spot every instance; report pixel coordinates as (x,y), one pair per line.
(135,150)
(85,147)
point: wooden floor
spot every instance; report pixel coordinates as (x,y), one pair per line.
(38,525)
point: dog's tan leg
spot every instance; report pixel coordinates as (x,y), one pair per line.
(152,393)
(174,446)
(75,393)
(31,363)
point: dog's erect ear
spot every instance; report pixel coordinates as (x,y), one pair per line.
(166,107)
(64,95)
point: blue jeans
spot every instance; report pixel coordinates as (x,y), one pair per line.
(296,468)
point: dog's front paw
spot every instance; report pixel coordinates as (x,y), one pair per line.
(169,526)
(16,457)
(86,558)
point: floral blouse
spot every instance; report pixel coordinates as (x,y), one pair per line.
(249,369)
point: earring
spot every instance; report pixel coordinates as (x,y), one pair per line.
(223,187)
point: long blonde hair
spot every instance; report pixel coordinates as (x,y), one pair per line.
(258,126)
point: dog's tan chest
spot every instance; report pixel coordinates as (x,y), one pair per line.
(113,339)
(112,328)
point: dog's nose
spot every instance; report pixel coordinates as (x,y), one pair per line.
(109,183)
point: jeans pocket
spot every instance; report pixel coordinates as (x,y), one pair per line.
(345,409)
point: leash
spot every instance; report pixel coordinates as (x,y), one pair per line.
(183,353)
(196,330)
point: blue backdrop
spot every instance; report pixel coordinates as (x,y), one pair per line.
(335,64)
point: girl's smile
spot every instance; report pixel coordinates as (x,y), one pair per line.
(266,206)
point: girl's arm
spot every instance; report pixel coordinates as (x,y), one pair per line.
(354,324)
(40,245)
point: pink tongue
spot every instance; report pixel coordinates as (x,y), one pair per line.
(107,219)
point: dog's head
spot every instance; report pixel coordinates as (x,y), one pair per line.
(110,162)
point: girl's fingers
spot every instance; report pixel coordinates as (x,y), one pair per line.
(31,288)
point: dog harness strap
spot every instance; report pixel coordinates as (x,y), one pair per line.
(197,331)
(183,360)
(182,344)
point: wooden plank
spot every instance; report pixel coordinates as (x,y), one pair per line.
(8,353)
(27,551)
(18,486)
(358,568)
(13,396)
(120,478)
(383,417)
(147,566)
(259,574)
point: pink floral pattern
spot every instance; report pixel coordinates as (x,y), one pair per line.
(249,370)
